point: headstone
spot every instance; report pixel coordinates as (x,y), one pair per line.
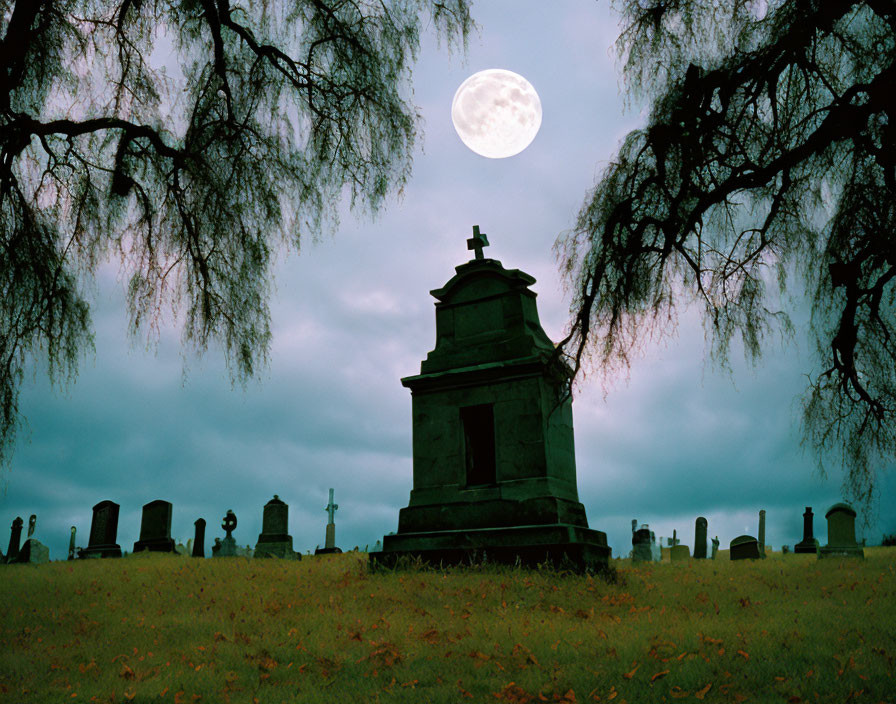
(656,552)
(226,547)
(15,537)
(634,524)
(700,538)
(679,553)
(841,533)
(71,544)
(641,545)
(330,539)
(155,528)
(33,552)
(199,540)
(189,547)
(715,547)
(745,547)
(103,532)
(808,543)
(675,540)
(274,540)
(762,532)
(493,451)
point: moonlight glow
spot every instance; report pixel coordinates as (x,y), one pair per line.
(496,113)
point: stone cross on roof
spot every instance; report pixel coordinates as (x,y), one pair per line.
(330,508)
(477,242)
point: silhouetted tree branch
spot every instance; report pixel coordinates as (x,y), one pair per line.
(769,156)
(190,137)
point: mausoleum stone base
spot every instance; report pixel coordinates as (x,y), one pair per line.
(563,545)
(806,546)
(282,549)
(327,551)
(840,551)
(113,550)
(155,545)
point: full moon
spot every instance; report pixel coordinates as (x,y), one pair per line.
(496,113)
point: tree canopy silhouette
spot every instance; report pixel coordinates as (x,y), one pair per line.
(768,161)
(192,138)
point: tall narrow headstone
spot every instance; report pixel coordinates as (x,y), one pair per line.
(715,547)
(634,524)
(494,472)
(762,532)
(330,538)
(841,533)
(700,538)
(274,540)
(32,522)
(226,547)
(199,539)
(808,543)
(155,528)
(15,537)
(103,531)
(71,544)
(675,540)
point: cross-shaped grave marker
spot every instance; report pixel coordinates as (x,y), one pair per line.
(330,508)
(477,242)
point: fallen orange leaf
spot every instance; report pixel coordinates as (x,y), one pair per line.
(700,693)
(629,675)
(678,693)
(744,655)
(462,690)
(659,675)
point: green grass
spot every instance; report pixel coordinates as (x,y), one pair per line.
(153,628)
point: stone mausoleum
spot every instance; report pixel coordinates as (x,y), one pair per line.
(493,451)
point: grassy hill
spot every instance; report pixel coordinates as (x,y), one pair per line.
(161,628)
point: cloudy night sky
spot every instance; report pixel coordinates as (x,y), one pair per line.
(352,314)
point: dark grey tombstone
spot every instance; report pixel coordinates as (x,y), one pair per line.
(762,532)
(103,531)
(71,544)
(15,537)
(745,547)
(808,544)
(274,540)
(841,533)
(700,538)
(226,547)
(33,552)
(715,547)
(155,528)
(32,522)
(675,539)
(641,546)
(494,471)
(199,539)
